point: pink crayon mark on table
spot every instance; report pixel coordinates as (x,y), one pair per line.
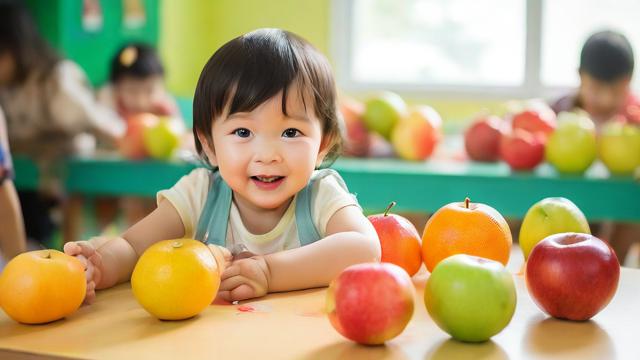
(254,308)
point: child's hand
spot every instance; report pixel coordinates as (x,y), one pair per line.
(222,255)
(245,279)
(86,252)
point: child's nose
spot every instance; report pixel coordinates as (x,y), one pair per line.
(267,152)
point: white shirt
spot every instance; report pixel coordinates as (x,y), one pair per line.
(189,195)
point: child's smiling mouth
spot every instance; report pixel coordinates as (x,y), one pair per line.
(267,182)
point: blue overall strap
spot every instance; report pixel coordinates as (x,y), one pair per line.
(212,225)
(307,232)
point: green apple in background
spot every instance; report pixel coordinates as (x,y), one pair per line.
(470,297)
(383,111)
(619,147)
(547,217)
(571,148)
(163,139)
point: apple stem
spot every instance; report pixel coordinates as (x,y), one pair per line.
(176,244)
(466,202)
(48,256)
(392,204)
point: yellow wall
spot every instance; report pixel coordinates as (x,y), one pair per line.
(193,29)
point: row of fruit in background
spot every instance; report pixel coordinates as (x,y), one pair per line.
(531,133)
(151,136)
(385,126)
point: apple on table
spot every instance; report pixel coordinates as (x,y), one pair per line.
(370,303)
(470,297)
(416,136)
(547,217)
(572,276)
(482,138)
(571,148)
(522,150)
(619,146)
(383,111)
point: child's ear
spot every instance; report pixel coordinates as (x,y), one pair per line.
(207,147)
(325,147)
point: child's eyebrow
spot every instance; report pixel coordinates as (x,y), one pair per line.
(304,118)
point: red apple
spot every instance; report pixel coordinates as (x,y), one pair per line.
(572,275)
(399,240)
(482,139)
(370,303)
(132,145)
(415,136)
(541,120)
(522,150)
(357,136)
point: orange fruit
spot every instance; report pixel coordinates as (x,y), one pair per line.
(466,228)
(399,240)
(176,279)
(42,286)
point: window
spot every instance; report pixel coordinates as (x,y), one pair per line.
(503,48)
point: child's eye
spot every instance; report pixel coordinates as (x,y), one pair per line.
(242,132)
(291,132)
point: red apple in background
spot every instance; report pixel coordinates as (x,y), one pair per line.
(482,138)
(132,146)
(370,303)
(399,240)
(572,275)
(522,150)
(537,121)
(357,136)
(416,135)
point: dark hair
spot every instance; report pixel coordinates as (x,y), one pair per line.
(252,68)
(20,38)
(607,56)
(136,60)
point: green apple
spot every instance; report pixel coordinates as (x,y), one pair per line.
(383,111)
(547,217)
(571,148)
(619,147)
(470,297)
(162,139)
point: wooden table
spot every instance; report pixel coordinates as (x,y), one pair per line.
(293,326)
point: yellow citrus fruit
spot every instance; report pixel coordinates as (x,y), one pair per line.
(42,286)
(176,279)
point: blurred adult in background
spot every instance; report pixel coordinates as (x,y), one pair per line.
(606,70)
(48,103)
(12,237)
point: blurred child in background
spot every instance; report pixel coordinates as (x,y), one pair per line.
(136,85)
(48,104)
(12,237)
(606,70)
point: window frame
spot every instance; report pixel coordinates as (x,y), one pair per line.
(341,36)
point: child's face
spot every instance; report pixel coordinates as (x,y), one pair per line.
(603,99)
(7,68)
(265,156)
(140,95)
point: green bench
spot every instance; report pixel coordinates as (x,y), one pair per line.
(420,187)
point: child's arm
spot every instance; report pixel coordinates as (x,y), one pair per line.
(110,261)
(350,239)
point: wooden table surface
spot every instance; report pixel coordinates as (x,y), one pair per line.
(293,326)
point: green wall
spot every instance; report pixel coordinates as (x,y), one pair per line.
(193,30)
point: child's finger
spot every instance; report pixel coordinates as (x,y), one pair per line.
(88,273)
(224,295)
(232,283)
(232,270)
(242,292)
(83,260)
(72,249)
